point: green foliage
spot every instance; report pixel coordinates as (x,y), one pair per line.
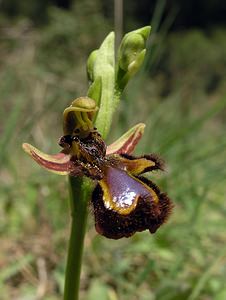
(198,55)
(185,125)
(66,40)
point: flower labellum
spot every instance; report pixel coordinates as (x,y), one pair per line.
(124,202)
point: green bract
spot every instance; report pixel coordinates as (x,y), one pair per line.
(101,71)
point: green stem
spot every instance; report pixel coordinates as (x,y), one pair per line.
(80,192)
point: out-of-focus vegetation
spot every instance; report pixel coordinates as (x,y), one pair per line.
(180,95)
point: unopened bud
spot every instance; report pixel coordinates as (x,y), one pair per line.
(131,54)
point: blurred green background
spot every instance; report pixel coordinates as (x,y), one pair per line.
(180,94)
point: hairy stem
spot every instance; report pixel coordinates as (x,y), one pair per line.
(80,192)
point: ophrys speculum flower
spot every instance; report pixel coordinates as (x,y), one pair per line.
(124,202)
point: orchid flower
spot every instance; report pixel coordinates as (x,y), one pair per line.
(110,177)
(124,202)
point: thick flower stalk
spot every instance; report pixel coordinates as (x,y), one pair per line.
(124,202)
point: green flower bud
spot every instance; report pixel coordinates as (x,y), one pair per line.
(131,54)
(131,46)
